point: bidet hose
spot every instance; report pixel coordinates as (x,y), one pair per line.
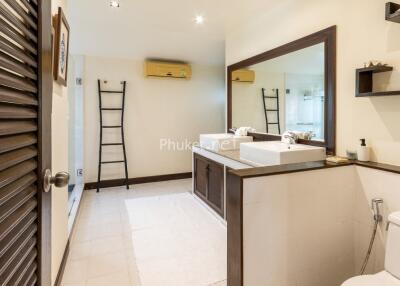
(371,243)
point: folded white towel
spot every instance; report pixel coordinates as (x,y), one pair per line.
(242,131)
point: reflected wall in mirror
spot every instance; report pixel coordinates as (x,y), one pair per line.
(289,88)
(282,94)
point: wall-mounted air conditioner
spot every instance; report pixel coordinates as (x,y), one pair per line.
(243,76)
(167,69)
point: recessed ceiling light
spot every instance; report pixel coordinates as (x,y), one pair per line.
(114,4)
(199,19)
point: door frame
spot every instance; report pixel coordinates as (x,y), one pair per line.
(45,95)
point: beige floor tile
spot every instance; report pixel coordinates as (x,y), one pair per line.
(74,284)
(107,264)
(121,237)
(221,283)
(106,245)
(79,250)
(116,279)
(75,271)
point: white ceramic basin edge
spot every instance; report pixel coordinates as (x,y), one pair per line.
(269,153)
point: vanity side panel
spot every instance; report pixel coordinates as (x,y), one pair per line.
(298,228)
(234,216)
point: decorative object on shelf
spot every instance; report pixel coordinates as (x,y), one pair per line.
(364,81)
(392,12)
(61,48)
(351,155)
(372,64)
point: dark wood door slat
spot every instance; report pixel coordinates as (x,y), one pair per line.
(11,190)
(14,81)
(25,253)
(12,96)
(10,143)
(12,174)
(8,127)
(16,52)
(30,8)
(12,253)
(16,37)
(31,282)
(22,13)
(25,272)
(13,158)
(16,112)
(35,2)
(10,239)
(22,37)
(17,23)
(9,63)
(10,223)
(16,202)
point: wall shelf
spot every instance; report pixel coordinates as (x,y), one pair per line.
(392,12)
(364,82)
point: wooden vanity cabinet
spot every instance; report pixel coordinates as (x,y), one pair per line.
(209,182)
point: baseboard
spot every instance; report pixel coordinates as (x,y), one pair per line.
(139,180)
(62,266)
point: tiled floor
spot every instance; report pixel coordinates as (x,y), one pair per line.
(156,234)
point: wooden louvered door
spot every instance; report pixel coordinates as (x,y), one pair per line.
(25,142)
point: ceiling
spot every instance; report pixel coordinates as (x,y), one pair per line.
(142,29)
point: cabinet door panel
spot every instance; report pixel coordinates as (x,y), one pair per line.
(216,187)
(200,176)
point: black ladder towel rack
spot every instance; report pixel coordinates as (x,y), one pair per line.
(273,110)
(120,126)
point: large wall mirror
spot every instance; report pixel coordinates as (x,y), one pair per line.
(290,88)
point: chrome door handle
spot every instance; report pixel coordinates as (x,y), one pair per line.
(59,180)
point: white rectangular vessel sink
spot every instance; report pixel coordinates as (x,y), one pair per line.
(277,153)
(223,141)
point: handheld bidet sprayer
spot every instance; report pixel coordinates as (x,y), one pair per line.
(375,208)
(377,219)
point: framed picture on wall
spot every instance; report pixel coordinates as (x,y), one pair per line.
(61,48)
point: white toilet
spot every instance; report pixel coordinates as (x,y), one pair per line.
(391,275)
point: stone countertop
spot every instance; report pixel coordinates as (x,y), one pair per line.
(231,154)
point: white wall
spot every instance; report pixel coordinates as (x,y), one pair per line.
(155,109)
(59,137)
(363,35)
(296,232)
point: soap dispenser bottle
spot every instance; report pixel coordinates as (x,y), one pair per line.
(363,152)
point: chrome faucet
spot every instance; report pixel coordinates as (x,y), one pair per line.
(290,137)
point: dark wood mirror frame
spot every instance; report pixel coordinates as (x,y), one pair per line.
(327,36)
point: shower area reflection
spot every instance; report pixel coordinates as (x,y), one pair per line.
(304,103)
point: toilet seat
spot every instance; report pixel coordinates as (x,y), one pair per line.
(381,279)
